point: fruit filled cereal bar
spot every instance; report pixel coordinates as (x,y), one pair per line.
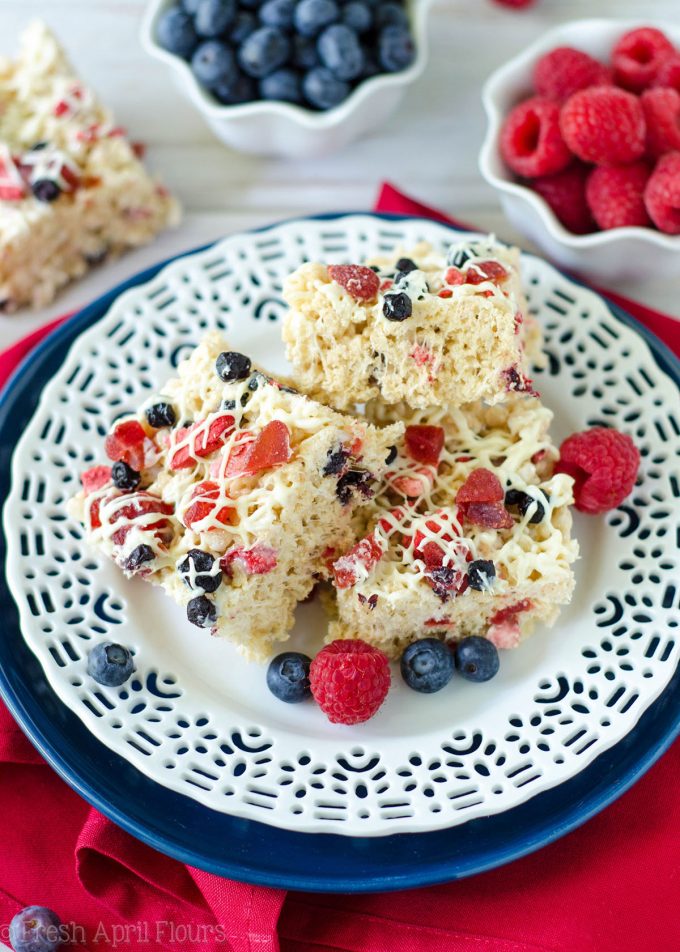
(72,189)
(233,492)
(469,533)
(428,329)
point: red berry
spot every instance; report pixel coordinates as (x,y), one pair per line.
(429,550)
(200,440)
(360,282)
(604,465)
(604,125)
(349,681)
(126,444)
(510,612)
(638,56)
(493,515)
(563,71)
(95,478)
(258,560)
(424,443)
(204,503)
(271,447)
(565,193)
(481,486)
(662,195)
(662,115)
(134,512)
(531,142)
(615,195)
(358,562)
(668,75)
(485,271)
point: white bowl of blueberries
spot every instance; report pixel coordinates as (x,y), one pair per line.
(295,78)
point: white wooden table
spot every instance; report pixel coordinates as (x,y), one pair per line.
(223,191)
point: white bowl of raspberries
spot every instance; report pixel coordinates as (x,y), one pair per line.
(583,146)
(295,78)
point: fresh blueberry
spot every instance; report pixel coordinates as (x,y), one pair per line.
(406,266)
(524,501)
(391,455)
(481,574)
(278,13)
(35,929)
(191,6)
(397,307)
(477,658)
(244,24)
(213,63)
(125,477)
(288,677)
(340,51)
(391,14)
(46,190)
(251,4)
(305,53)
(110,664)
(176,34)
(201,612)
(139,555)
(161,414)
(396,49)
(241,89)
(264,51)
(282,84)
(324,90)
(230,365)
(427,665)
(313,16)
(198,570)
(214,16)
(357,16)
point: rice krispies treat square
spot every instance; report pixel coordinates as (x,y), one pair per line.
(432,564)
(419,326)
(72,189)
(244,496)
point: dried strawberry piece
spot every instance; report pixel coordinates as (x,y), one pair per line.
(205,496)
(424,443)
(485,271)
(511,611)
(95,478)
(412,486)
(481,486)
(454,276)
(360,282)
(95,518)
(506,635)
(258,560)
(428,550)
(206,441)
(135,508)
(271,447)
(492,515)
(360,560)
(126,444)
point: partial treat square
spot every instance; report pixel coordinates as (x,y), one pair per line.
(72,189)
(470,533)
(233,492)
(427,328)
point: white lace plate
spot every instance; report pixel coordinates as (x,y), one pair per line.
(196,718)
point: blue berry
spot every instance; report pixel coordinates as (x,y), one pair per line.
(110,664)
(191,6)
(198,571)
(283,85)
(340,52)
(477,658)
(288,677)
(481,574)
(391,14)
(313,16)
(214,16)
(35,929)
(213,63)
(396,49)
(397,307)
(46,190)
(201,612)
(161,414)
(357,16)
(278,13)
(524,501)
(230,366)
(176,34)
(125,477)
(264,51)
(323,90)
(251,4)
(242,89)
(427,665)
(139,555)
(244,24)
(305,53)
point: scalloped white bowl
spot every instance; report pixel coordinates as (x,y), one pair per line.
(286,130)
(605,255)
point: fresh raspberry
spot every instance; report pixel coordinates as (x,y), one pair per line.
(95,478)
(662,195)
(360,282)
(349,681)
(565,193)
(531,142)
(668,75)
(638,56)
(424,443)
(563,71)
(481,486)
(615,195)
(662,115)
(604,125)
(604,465)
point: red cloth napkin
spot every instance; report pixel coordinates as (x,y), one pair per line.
(609,887)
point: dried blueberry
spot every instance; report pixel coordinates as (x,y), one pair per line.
(231,365)
(391,455)
(397,307)
(139,555)
(46,190)
(460,258)
(524,501)
(481,574)
(198,570)
(160,415)
(201,612)
(406,265)
(125,477)
(358,480)
(229,404)
(336,460)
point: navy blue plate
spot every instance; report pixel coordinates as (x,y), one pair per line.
(250,851)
